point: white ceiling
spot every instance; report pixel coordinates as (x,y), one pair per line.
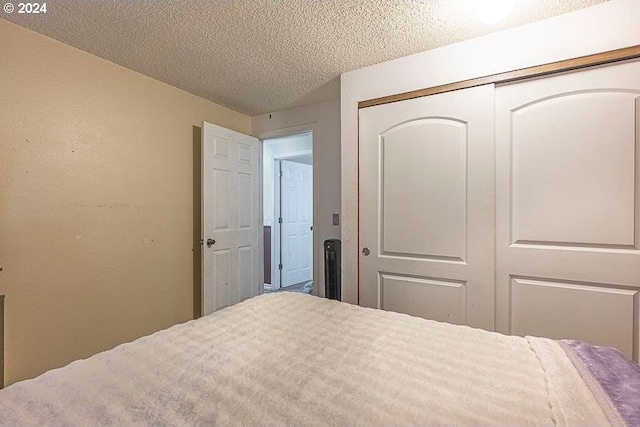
(259,56)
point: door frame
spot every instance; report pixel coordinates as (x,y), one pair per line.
(281,133)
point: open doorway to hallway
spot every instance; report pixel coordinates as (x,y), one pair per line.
(288,213)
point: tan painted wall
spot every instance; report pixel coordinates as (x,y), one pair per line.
(96,201)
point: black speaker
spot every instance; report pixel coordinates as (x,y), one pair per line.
(332,269)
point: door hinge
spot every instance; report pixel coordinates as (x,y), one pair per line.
(280,220)
(279,266)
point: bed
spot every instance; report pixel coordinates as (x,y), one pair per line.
(298,360)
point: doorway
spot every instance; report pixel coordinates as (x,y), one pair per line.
(288,213)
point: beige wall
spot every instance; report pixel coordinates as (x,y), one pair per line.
(96,201)
(323,119)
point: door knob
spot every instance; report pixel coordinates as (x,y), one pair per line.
(210,242)
(366,251)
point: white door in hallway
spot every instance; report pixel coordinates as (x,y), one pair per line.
(296,210)
(427,207)
(230,218)
(567,213)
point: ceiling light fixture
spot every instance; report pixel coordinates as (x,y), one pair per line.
(493,11)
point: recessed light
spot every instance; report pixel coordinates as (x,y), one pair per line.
(493,11)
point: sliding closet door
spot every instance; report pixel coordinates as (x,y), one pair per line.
(427,207)
(567,206)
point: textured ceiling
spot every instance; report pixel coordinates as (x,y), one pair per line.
(258,56)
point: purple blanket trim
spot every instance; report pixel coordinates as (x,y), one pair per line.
(618,376)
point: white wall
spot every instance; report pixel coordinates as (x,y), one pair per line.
(296,145)
(600,28)
(323,119)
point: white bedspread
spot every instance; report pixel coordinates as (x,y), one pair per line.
(297,360)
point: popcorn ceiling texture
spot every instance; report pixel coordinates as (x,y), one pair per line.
(259,56)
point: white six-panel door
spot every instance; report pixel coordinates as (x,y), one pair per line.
(427,207)
(230,217)
(296,210)
(567,213)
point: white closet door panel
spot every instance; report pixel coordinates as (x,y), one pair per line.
(426,207)
(567,202)
(588,164)
(597,309)
(434,171)
(436,299)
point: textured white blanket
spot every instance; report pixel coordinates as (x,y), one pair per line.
(297,360)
